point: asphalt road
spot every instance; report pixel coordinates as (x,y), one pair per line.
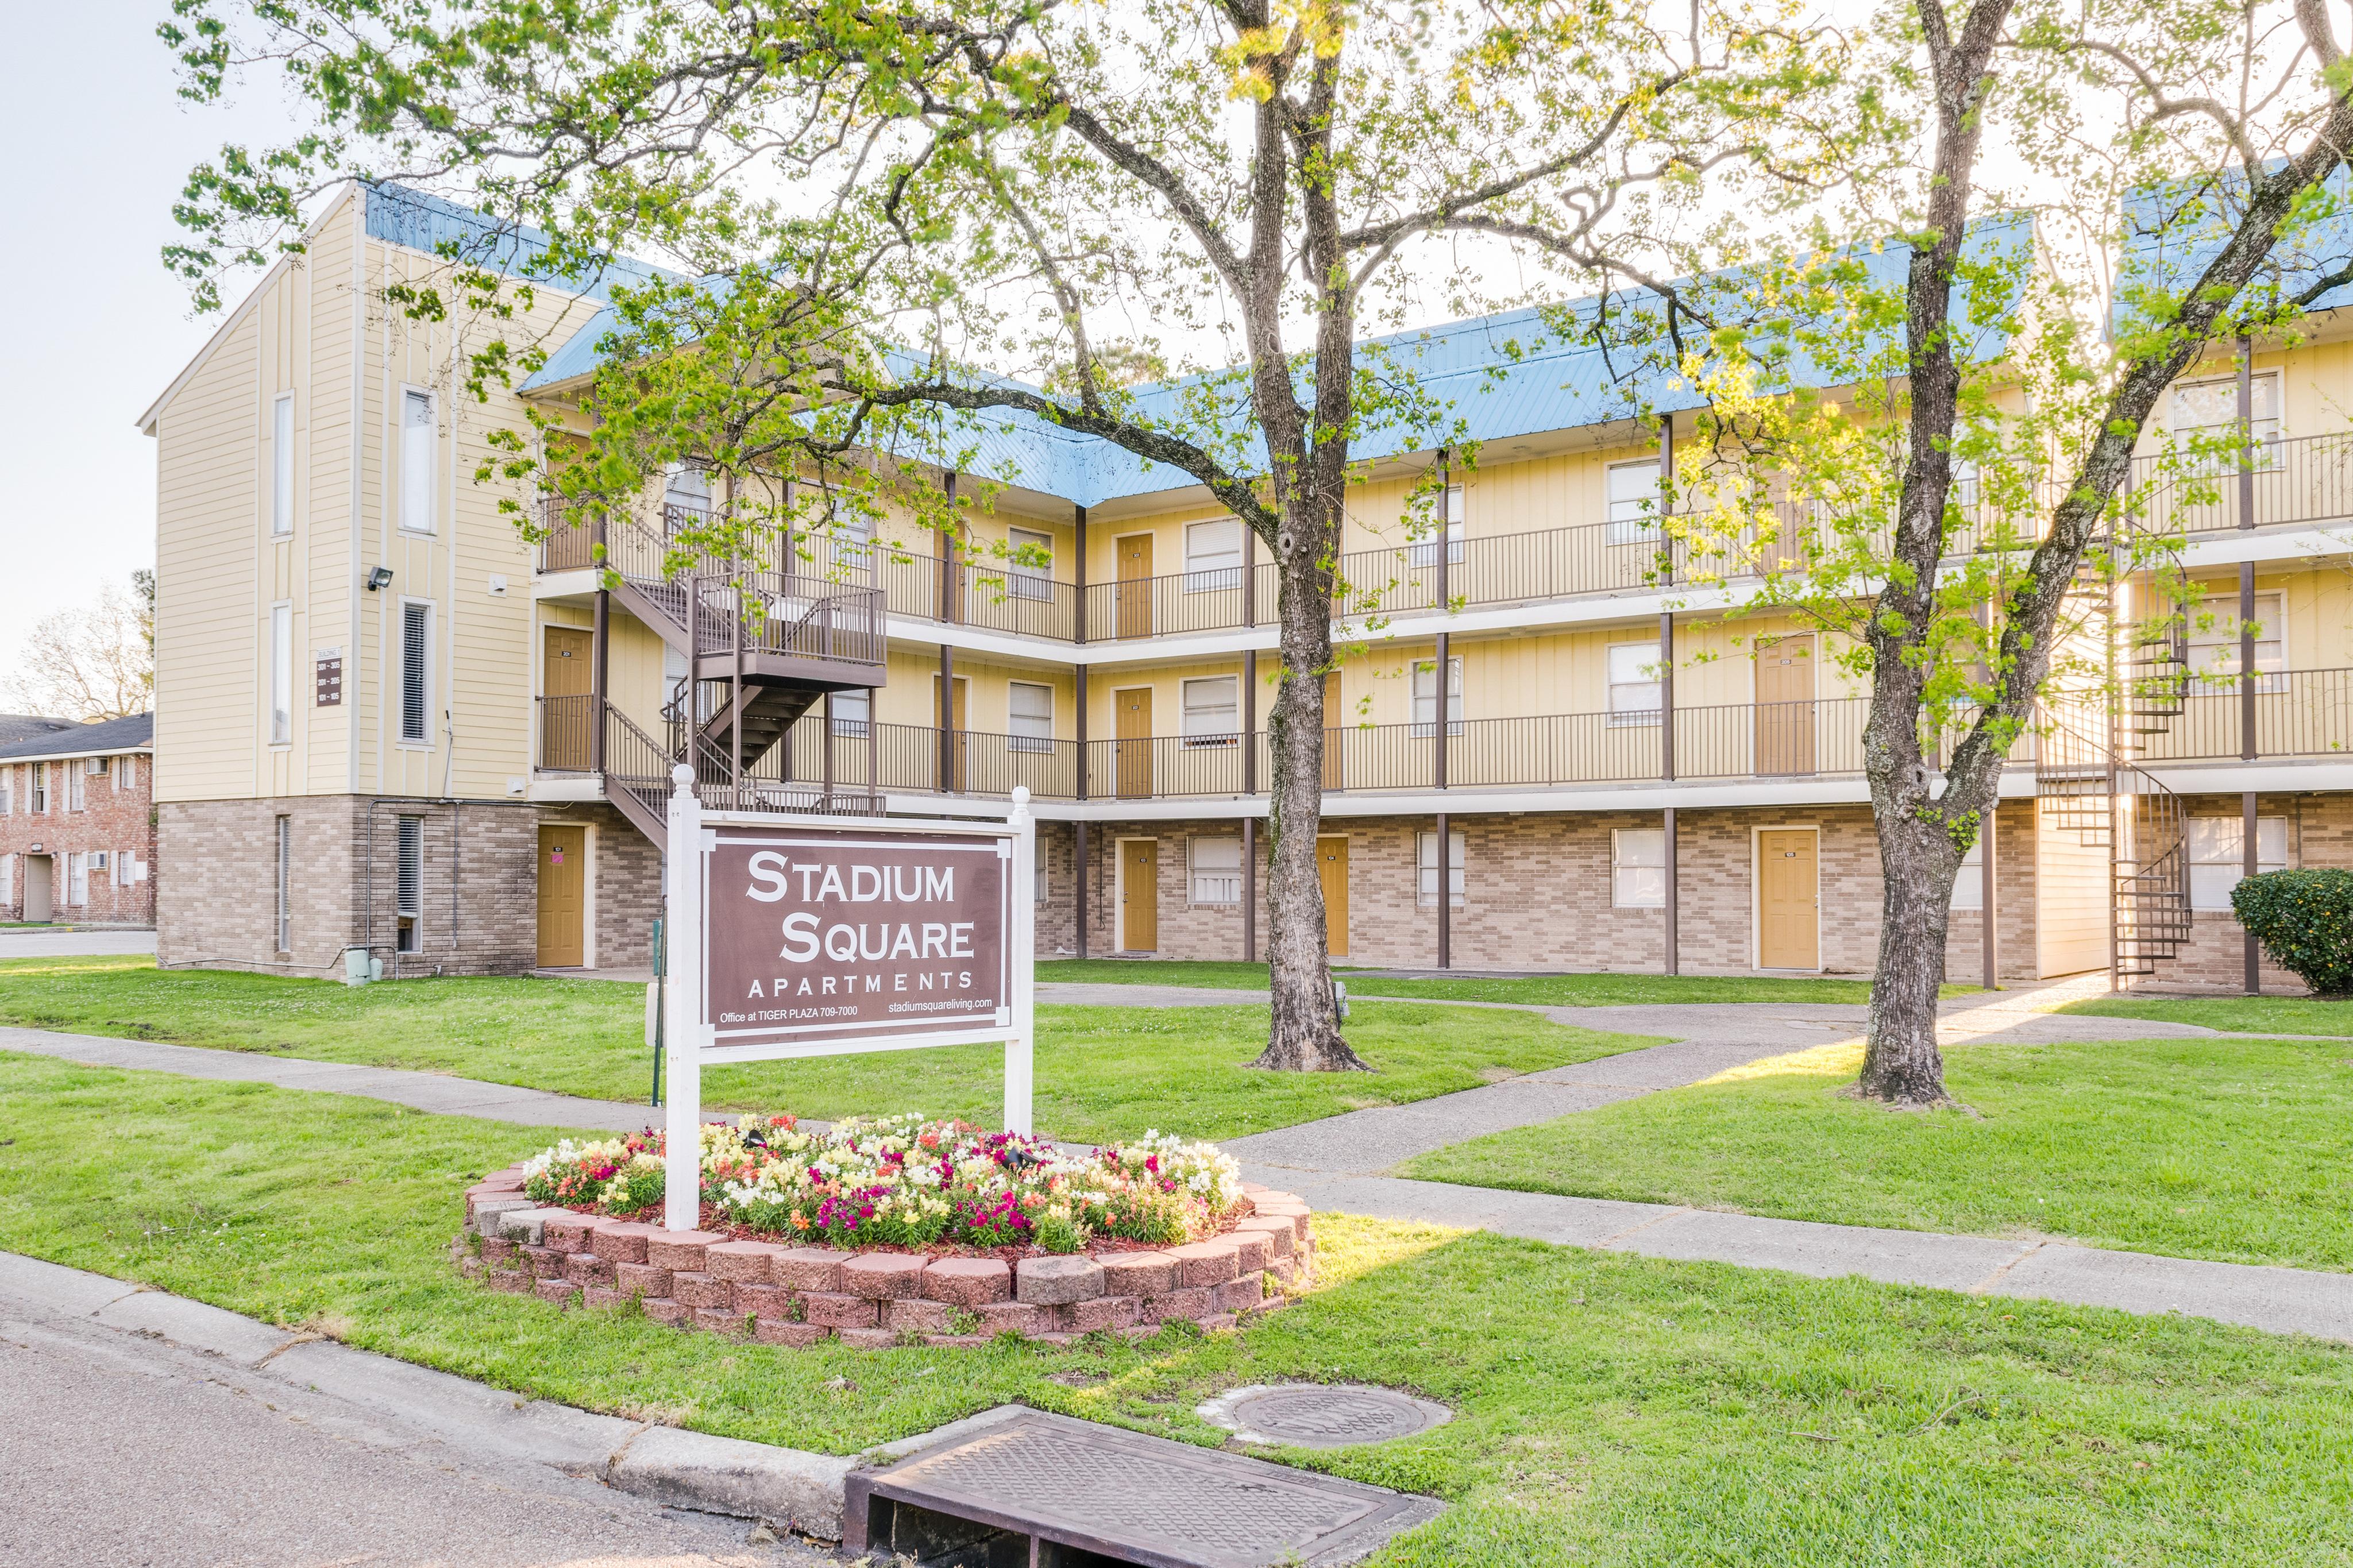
(120,1449)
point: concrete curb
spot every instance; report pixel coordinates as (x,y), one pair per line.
(784,1488)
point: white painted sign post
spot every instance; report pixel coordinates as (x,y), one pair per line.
(793,935)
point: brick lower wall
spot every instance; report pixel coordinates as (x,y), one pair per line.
(117,823)
(1539,893)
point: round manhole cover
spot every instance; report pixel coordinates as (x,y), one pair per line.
(1321,1415)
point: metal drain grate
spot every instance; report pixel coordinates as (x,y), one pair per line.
(1322,1415)
(1047,1490)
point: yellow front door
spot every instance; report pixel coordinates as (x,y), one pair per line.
(1788,915)
(563,897)
(1133,713)
(1331,870)
(1135,585)
(1139,895)
(567,682)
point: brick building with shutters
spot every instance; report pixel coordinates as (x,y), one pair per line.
(1558,739)
(78,821)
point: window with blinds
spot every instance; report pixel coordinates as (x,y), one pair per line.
(1031,716)
(1213,556)
(1030,575)
(285,884)
(418,441)
(1213,712)
(1425,698)
(416,646)
(409,883)
(1214,870)
(1426,869)
(281,465)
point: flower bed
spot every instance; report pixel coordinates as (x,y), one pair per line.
(893,1230)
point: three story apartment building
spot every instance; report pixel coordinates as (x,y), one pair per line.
(386,722)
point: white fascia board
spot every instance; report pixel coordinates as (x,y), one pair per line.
(2230,776)
(577,584)
(566,789)
(2298,543)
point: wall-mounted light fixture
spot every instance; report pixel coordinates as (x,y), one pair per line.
(379,579)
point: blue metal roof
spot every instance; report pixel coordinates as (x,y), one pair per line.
(1505,375)
(399,216)
(2173,232)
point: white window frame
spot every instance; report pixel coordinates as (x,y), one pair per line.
(7,791)
(1024,581)
(37,789)
(1032,739)
(2217,854)
(78,880)
(1424,553)
(1212,570)
(848,541)
(1625,705)
(409,884)
(2222,639)
(281,673)
(1425,867)
(1196,739)
(1968,881)
(1424,678)
(2269,431)
(8,880)
(281,465)
(423,654)
(688,497)
(420,461)
(126,777)
(851,711)
(1211,885)
(1638,867)
(1632,519)
(77,791)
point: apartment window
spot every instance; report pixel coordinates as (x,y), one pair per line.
(686,489)
(1968,882)
(418,441)
(281,465)
(8,880)
(281,674)
(102,867)
(1214,870)
(285,883)
(2217,848)
(122,878)
(1425,551)
(2214,648)
(7,791)
(1425,882)
(76,797)
(1033,578)
(1967,486)
(1635,690)
(38,799)
(1213,712)
(1425,698)
(78,880)
(127,775)
(408,890)
(415,646)
(2209,409)
(1031,716)
(1213,556)
(1638,867)
(849,541)
(1633,500)
(849,713)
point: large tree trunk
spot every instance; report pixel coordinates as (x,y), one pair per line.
(1304,1035)
(1902,1064)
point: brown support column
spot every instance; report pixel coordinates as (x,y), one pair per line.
(874,748)
(599,669)
(1667,695)
(1986,882)
(825,721)
(1083,779)
(947,715)
(2250,862)
(2246,432)
(1674,956)
(947,555)
(1078,610)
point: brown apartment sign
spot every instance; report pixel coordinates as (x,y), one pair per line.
(817,935)
(796,935)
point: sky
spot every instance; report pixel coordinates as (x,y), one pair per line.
(97,328)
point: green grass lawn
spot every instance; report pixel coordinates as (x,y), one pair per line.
(2235,1150)
(2239,1014)
(1610,1409)
(1102,1072)
(1550,990)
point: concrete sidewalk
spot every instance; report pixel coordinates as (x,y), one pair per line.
(67,944)
(435,1092)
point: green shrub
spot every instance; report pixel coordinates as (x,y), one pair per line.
(2305,921)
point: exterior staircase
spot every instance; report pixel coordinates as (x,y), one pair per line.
(764,644)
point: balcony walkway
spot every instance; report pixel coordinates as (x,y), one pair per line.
(1332,1162)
